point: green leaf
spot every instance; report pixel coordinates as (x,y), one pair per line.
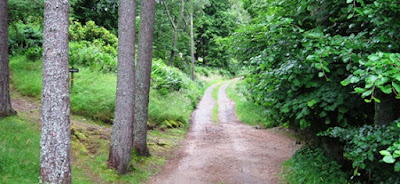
(396,86)
(384,153)
(373,57)
(345,82)
(320,74)
(377,100)
(367,93)
(311,103)
(359,90)
(389,159)
(349,1)
(350,16)
(386,89)
(396,154)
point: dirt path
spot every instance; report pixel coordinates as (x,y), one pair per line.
(227,152)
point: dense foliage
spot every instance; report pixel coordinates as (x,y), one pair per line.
(301,56)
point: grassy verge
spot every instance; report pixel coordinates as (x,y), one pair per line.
(19,153)
(310,165)
(215,92)
(247,111)
(93,94)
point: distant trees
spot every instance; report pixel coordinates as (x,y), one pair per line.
(5,102)
(55,143)
(143,72)
(122,133)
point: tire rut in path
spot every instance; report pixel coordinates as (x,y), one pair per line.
(227,152)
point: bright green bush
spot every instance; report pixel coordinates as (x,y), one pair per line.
(312,166)
(95,56)
(90,32)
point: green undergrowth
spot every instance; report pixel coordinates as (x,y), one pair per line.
(246,110)
(93,93)
(312,166)
(20,148)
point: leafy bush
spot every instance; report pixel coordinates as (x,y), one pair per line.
(34,53)
(362,147)
(90,32)
(380,71)
(97,57)
(311,165)
(24,36)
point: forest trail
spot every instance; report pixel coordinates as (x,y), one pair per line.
(228,152)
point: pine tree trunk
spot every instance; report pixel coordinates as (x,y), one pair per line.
(122,137)
(192,44)
(55,142)
(5,102)
(143,72)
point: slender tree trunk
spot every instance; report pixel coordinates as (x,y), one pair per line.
(122,137)
(387,110)
(176,29)
(55,142)
(192,44)
(5,102)
(143,71)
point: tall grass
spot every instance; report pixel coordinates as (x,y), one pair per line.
(93,93)
(312,166)
(19,151)
(246,110)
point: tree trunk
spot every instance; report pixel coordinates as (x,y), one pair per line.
(122,137)
(143,72)
(175,36)
(55,142)
(5,102)
(192,44)
(386,111)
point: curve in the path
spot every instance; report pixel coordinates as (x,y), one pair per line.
(227,152)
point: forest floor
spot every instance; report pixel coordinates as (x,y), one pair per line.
(228,151)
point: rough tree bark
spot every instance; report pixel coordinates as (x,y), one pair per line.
(192,44)
(175,27)
(55,142)
(5,102)
(143,71)
(122,137)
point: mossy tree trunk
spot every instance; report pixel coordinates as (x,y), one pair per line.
(122,137)
(143,72)
(55,142)
(5,102)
